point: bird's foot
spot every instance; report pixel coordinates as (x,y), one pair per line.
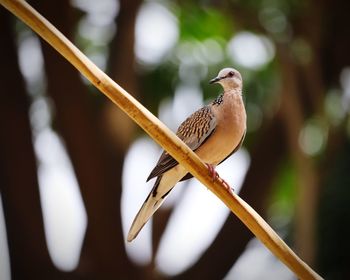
(215,176)
(212,171)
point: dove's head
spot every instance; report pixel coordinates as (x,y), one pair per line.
(229,79)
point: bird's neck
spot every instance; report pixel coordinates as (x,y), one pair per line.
(229,107)
(235,90)
(218,100)
(235,93)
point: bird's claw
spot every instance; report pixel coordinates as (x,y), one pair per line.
(212,171)
(227,186)
(215,176)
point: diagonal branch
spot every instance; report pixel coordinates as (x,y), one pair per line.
(161,134)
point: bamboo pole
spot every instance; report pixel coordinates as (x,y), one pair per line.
(161,134)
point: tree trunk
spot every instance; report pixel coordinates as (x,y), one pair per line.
(29,257)
(97,167)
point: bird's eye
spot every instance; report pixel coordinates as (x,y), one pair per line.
(231,74)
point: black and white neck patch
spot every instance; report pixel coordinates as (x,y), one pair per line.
(219,99)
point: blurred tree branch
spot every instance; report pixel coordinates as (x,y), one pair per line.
(98,171)
(294,119)
(121,60)
(18,169)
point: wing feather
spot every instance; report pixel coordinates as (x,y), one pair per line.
(193,131)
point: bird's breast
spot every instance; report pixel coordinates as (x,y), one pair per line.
(231,126)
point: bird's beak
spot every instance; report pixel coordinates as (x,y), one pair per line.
(215,80)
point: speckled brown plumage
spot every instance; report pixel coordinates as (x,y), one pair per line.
(198,125)
(214,132)
(193,131)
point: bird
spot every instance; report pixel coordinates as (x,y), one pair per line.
(214,132)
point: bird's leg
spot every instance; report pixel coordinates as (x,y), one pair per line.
(215,176)
(212,171)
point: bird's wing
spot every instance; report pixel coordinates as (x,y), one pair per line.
(193,131)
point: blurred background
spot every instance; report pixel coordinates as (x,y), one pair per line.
(73,166)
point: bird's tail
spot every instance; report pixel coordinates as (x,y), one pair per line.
(151,205)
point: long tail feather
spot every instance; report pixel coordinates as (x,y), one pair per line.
(151,205)
(163,185)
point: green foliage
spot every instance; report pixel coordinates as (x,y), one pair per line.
(158,84)
(203,22)
(284,194)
